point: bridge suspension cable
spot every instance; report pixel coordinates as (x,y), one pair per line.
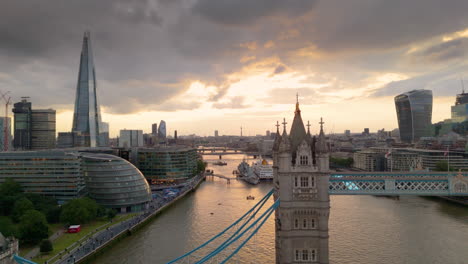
(247,217)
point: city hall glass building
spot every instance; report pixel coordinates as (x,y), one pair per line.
(414,112)
(115,183)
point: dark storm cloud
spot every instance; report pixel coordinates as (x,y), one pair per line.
(245,12)
(168,43)
(445,82)
(382,24)
(441,52)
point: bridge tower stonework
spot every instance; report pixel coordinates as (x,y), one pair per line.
(301,175)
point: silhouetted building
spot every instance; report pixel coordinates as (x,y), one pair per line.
(131,138)
(154,129)
(460,109)
(87,115)
(414,112)
(43,129)
(162,130)
(22,127)
(216,134)
(104,134)
(34,129)
(2,133)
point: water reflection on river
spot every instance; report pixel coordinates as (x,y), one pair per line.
(363,229)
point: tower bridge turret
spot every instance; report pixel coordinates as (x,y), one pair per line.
(301,173)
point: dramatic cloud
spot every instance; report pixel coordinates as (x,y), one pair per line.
(149,53)
(445,51)
(236,102)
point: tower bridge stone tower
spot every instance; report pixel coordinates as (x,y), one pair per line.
(301,174)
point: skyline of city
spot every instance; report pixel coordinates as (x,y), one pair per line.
(151,55)
(265,131)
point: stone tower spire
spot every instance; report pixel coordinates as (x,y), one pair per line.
(302,187)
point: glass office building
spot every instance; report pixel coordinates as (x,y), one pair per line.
(42,129)
(162,130)
(52,173)
(414,112)
(115,183)
(166,163)
(87,115)
(22,128)
(460,109)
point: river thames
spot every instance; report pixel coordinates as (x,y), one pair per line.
(363,229)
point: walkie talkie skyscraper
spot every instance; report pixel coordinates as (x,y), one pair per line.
(87,115)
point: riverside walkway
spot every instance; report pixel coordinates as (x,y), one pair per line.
(99,240)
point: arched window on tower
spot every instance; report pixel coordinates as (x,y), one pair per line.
(304,160)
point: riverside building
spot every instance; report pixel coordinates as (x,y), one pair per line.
(67,174)
(166,163)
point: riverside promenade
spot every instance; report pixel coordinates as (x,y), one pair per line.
(100,240)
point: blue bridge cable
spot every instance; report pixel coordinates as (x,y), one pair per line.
(275,205)
(225,230)
(216,251)
(21,260)
(246,222)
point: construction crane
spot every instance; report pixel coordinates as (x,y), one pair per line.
(7,99)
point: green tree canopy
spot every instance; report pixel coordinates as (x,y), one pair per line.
(33,227)
(442,165)
(7,228)
(21,206)
(10,191)
(46,246)
(10,188)
(79,211)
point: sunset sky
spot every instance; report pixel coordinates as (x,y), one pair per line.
(205,65)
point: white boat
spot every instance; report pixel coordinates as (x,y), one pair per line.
(263,170)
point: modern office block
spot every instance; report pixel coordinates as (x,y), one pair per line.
(162,130)
(52,173)
(131,138)
(154,129)
(166,163)
(22,112)
(34,129)
(5,126)
(43,129)
(414,111)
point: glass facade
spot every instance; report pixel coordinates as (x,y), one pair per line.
(22,127)
(42,129)
(414,112)
(460,109)
(87,115)
(162,129)
(131,138)
(114,182)
(166,163)
(53,173)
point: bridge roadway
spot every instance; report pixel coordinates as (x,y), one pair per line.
(399,183)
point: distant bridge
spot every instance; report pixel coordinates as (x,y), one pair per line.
(217,151)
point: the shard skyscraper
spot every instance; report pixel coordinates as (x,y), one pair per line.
(87,115)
